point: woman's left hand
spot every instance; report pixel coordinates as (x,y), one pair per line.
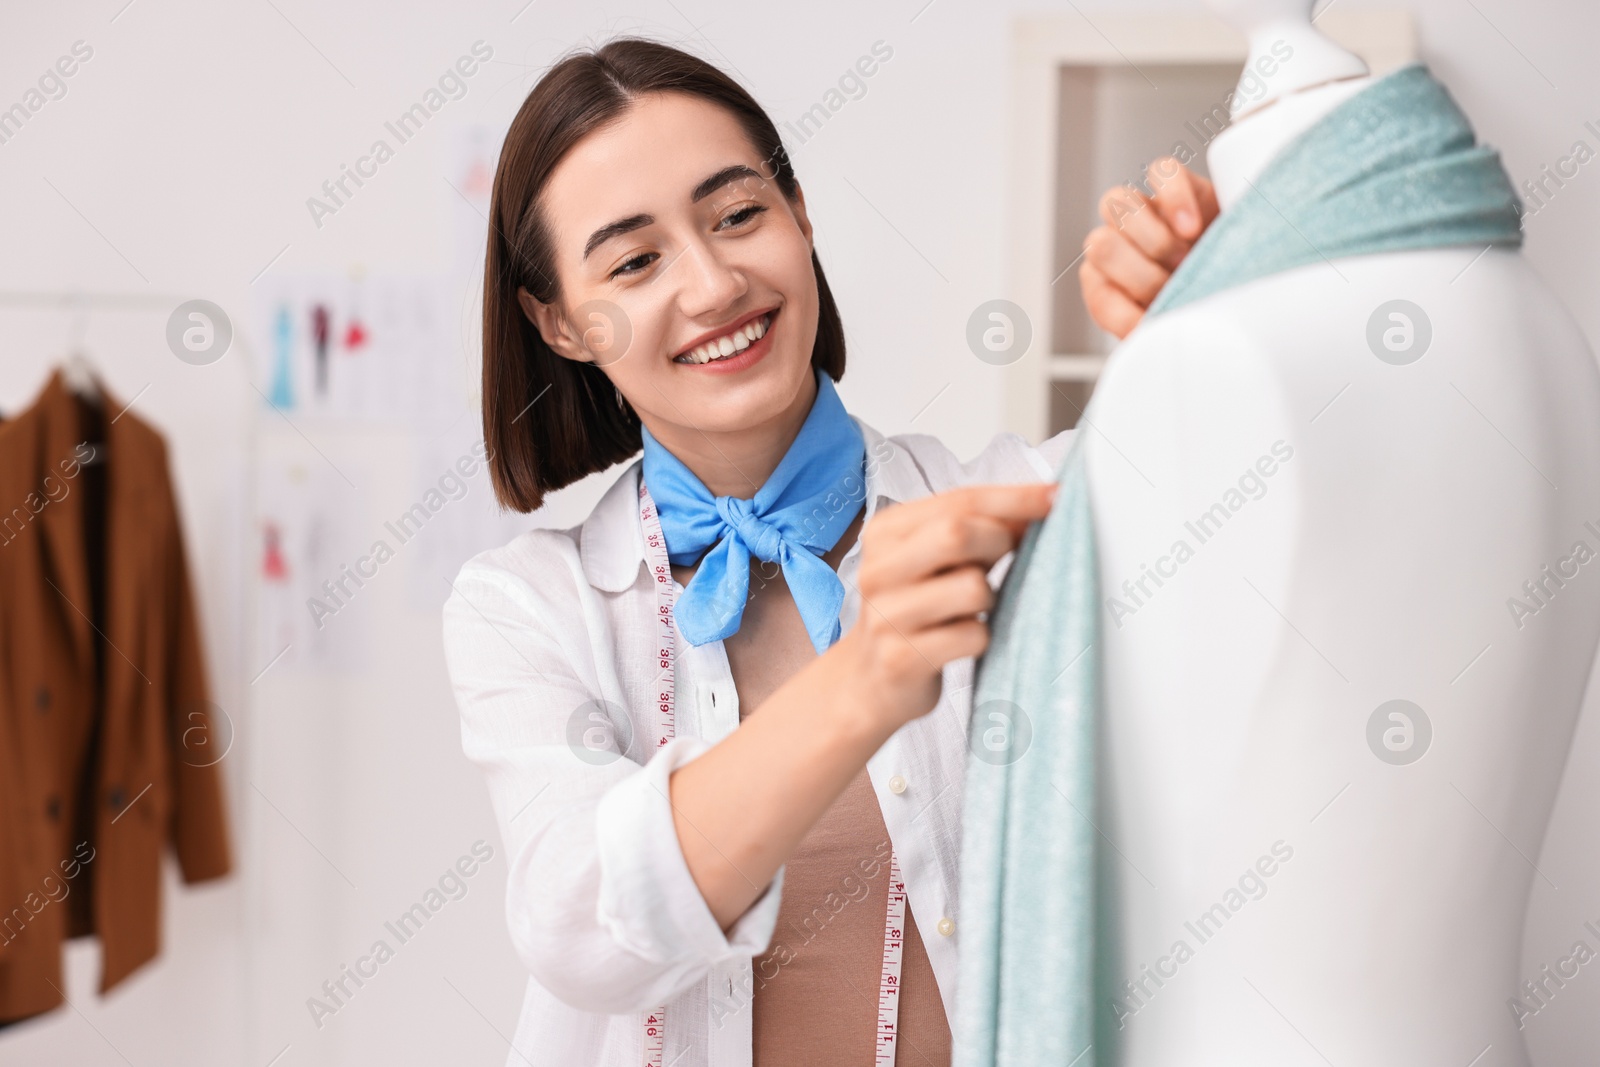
(1129,259)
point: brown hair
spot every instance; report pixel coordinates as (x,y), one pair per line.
(581,426)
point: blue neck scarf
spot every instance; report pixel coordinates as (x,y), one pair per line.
(1392,168)
(798,514)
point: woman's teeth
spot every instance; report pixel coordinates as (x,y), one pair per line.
(729,343)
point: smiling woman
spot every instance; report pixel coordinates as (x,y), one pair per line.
(743,174)
(651,283)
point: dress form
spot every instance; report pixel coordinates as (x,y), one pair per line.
(1265,23)
(1242,151)
(1320,76)
(1375,563)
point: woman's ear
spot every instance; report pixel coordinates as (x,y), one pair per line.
(800,215)
(553,327)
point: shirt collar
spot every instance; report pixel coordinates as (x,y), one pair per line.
(611,544)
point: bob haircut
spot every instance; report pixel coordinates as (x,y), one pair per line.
(583,425)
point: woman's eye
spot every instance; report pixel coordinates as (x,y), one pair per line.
(635,265)
(741,216)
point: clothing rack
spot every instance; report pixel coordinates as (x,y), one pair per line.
(82,303)
(72,298)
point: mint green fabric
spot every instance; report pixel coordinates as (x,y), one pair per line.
(1027,849)
(1392,168)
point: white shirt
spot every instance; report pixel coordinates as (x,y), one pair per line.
(558,625)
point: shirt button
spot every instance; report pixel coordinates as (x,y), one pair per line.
(946,926)
(897,784)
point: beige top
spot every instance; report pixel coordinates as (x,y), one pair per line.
(816,995)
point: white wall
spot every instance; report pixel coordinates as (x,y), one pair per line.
(179,163)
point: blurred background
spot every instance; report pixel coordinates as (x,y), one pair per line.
(196,154)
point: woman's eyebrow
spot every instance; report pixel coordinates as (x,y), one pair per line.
(615,229)
(725,176)
(722,177)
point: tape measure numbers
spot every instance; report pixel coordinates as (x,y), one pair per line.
(655,1021)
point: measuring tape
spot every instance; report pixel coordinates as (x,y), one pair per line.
(655,543)
(655,546)
(894,930)
(655,1021)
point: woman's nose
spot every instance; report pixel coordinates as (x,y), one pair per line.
(709,283)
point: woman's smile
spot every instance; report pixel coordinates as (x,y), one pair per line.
(731,349)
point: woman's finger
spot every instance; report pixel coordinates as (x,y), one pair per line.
(1121,261)
(1120,203)
(937,544)
(1022,503)
(1183,199)
(1113,310)
(975,524)
(1010,503)
(1133,215)
(955,594)
(952,641)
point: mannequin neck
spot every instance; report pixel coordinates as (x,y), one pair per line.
(1240,153)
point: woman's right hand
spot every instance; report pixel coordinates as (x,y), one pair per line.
(742,808)
(924,583)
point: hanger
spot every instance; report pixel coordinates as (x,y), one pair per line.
(76,368)
(79,374)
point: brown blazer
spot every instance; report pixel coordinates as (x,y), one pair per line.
(108,748)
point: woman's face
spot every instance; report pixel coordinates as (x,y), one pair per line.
(683,271)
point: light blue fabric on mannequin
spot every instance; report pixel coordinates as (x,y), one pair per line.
(1392,168)
(797,515)
(1027,904)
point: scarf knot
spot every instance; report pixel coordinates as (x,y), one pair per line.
(764,540)
(797,515)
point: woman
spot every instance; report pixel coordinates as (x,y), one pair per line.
(676,800)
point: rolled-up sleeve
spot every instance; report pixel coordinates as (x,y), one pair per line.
(600,902)
(648,899)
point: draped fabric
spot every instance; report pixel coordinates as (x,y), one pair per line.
(1027,848)
(1393,168)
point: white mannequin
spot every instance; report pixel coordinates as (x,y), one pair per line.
(1374,564)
